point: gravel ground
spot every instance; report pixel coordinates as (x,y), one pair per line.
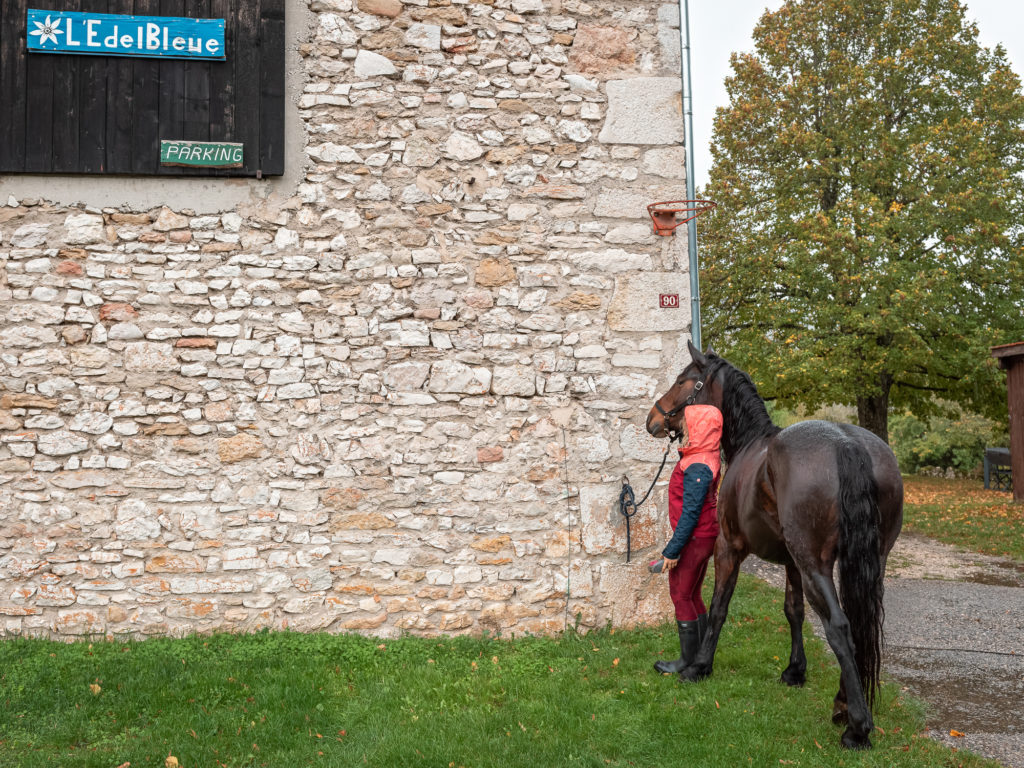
(954,631)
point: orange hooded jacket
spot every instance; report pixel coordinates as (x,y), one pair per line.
(704,426)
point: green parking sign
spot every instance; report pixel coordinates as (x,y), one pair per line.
(206,154)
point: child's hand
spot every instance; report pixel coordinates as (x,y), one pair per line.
(669,564)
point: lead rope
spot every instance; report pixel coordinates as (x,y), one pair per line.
(627,499)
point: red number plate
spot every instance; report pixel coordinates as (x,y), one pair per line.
(668,300)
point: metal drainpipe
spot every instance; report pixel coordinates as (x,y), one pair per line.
(691,225)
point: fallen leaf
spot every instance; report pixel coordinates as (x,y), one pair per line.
(95,689)
(615,662)
(171,762)
(957,734)
(124,765)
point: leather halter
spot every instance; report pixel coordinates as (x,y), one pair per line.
(666,415)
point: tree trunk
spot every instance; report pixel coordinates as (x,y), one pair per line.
(873,410)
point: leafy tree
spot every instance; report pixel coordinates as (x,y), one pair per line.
(869,172)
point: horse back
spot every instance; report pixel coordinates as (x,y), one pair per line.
(802,461)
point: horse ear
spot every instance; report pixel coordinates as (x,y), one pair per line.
(711,352)
(695,354)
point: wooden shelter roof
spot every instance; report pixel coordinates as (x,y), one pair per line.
(1005,352)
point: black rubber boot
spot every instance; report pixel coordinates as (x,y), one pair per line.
(689,642)
(702,628)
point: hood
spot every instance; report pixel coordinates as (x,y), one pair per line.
(704,425)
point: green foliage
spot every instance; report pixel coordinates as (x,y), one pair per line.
(867,245)
(782,417)
(286,699)
(955,441)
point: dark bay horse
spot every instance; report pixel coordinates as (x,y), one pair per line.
(805,497)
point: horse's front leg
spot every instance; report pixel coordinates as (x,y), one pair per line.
(796,672)
(727,569)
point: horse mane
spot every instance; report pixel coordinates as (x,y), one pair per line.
(744,416)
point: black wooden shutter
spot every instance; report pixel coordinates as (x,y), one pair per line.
(62,113)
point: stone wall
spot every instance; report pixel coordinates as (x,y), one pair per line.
(397,395)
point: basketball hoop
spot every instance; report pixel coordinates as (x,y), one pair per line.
(664,214)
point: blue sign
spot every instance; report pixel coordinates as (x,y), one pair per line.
(108,34)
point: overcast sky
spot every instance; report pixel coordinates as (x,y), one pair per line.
(719,28)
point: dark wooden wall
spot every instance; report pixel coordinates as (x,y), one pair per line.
(1015,395)
(107,114)
(1011,358)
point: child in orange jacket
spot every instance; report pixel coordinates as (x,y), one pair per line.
(693,514)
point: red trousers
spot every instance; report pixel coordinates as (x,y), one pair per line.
(686,579)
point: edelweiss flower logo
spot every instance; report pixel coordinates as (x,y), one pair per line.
(47,30)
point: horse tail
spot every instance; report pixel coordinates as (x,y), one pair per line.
(861,585)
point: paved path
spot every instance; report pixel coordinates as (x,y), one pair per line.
(954,631)
(960,647)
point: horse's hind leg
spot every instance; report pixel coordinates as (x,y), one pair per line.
(727,569)
(796,672)
(821,592)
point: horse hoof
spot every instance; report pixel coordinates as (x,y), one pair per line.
(693,674)
(852,740)
(840,716)
(794,677)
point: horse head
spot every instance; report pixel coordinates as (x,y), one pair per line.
(690,387)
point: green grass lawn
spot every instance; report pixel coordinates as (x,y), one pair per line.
(325,700)
(963,513)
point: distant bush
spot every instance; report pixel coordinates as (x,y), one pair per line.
(951,443)
(784,417)
(956,441)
